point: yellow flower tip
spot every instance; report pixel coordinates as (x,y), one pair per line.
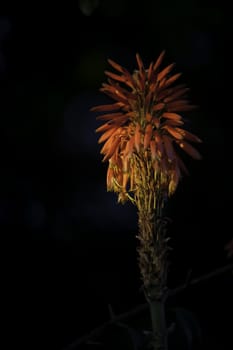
(122,198)
(172,188)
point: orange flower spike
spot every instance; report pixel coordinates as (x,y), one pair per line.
(145,117)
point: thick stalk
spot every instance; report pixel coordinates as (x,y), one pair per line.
(159,329)
(152,251)
(153,267)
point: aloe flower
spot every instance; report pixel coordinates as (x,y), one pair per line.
(143,135)
(145,122)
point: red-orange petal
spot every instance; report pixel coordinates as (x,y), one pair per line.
(111,116)
(153,149)
(106,108)
(159,144)
(176,95)
(114,89)
(158,107)
(112,148)
(148,117)
(156,122)
(115,76)
(125,181)
(107,134)
(112,94)
(164,93)
(172,123)
(128,78)
(159,61)
(172,131)
(148,135)
(172,116)
(189,136)
(168,147)
(165,71)
(129,147)
(171,80)
(149,72)
(190,150)
(106,146)
(109,178)
(116,66)
(140,63)
(181,108)
(137,138)
(104,127)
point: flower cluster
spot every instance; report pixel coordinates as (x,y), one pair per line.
(144,125)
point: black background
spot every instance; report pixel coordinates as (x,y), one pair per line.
(68,248)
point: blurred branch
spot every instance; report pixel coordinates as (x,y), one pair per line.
(200,279)
(115,319)
(106,324)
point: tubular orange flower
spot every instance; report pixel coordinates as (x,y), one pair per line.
(144,125)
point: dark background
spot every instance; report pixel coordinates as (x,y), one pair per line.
(68,249)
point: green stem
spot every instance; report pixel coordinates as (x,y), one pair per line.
(159,329)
